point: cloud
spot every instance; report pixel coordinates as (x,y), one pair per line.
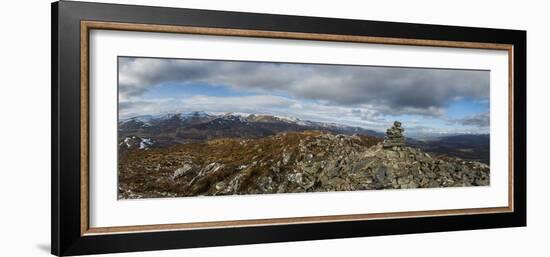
(390,90)
(138,107)
(365,96)
(246,104)
(478,120)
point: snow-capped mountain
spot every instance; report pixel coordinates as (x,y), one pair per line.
(198,126)
(148,119)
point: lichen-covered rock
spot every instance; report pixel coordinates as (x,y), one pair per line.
(182,171)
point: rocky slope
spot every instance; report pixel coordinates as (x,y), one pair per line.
(308,161)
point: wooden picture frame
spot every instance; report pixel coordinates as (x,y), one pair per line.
(71,26)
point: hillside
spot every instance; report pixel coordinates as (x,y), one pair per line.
(287,162)
(171,129)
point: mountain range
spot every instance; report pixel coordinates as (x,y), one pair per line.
(197,126)
(158,131)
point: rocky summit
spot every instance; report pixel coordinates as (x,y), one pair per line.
(289,162)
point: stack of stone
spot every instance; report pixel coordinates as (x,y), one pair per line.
(394,136)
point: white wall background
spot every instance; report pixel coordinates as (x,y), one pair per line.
(25,127)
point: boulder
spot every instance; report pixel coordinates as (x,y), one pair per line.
(182,171)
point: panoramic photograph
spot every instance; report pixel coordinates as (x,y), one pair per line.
(190,127)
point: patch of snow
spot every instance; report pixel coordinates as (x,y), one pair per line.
(287,118)
(145,143)
(127,141)
(235,116)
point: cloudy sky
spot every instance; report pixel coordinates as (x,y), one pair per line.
(425,100)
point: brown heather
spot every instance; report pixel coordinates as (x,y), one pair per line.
(291,162)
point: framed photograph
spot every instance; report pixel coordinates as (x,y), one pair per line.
(178,128)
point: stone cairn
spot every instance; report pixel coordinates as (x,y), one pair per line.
(394,136)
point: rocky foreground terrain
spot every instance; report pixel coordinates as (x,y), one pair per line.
(288,162)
